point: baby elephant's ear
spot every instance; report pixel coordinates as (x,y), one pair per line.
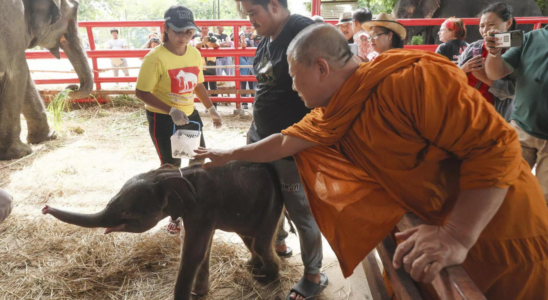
(178,189)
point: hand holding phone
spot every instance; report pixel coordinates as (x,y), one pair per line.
(505,39)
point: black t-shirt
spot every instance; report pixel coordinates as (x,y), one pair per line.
(452,49)
(277,106)
(221,37)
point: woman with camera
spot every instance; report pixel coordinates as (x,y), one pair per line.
(500,92)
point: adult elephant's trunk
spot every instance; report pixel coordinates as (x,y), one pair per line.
(100,219)
(72,45)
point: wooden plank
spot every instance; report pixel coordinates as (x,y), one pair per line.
(453,282)
(402,284)
(374,277)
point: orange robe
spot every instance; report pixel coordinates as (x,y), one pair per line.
(405,133)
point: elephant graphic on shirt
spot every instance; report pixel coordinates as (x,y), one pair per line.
(190,80)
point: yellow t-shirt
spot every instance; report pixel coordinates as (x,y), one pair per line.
(171,78)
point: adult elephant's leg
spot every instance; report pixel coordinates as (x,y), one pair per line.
(197,237)
(201,283)
(12,90)
(35,114)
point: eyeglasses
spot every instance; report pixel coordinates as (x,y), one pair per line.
(374,37)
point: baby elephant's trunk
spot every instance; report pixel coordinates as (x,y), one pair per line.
(83,220)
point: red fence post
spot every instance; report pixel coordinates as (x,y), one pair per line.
(316,8)
(94,63)
(237,84)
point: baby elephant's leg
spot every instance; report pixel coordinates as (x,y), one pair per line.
(197,238)
(201,283)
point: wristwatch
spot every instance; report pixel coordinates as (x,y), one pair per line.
(208,110)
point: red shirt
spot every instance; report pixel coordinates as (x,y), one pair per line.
(480,86)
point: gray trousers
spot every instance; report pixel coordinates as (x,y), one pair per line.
(297,206)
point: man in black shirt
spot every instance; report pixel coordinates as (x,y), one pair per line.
(224,41)
(277,106)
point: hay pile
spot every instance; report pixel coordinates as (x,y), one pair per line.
(53,260)
(99,149)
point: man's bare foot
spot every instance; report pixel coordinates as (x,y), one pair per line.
(312,277)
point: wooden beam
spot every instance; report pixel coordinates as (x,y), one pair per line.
(402,284)
(374,277)
(453,282)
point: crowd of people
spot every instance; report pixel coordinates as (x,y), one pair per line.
(358,138)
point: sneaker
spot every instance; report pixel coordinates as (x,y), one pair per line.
(245,106)
(174,227)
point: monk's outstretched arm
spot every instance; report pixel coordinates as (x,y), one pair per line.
(276,146)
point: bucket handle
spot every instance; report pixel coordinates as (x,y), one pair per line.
(175,126)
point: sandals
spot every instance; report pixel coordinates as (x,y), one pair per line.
(308,289)
(174,227)
(288,252)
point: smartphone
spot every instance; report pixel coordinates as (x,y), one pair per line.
(509,39)
(477,52)
(354,48)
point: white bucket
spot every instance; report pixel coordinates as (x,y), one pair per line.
(184,142)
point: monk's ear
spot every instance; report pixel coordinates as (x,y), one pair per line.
(322,67)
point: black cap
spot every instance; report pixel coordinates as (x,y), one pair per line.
(180,18)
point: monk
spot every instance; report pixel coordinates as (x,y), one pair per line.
(406,133)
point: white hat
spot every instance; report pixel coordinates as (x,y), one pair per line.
(345,17)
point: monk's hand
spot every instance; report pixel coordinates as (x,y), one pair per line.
(218,157)
(474,64)
(426,250)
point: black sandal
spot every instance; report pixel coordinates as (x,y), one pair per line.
(308,289)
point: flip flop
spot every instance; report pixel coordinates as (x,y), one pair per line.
(288,252)
(308,289)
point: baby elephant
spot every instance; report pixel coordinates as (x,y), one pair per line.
(240,197)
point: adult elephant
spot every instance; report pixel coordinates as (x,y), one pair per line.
(24,24)
(425,9)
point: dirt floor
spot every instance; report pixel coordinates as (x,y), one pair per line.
(97,151)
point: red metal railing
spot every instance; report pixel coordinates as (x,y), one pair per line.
(95,54)
(235,52)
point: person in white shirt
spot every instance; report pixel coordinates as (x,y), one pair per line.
(117,44)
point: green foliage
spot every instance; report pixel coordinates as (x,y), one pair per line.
(378,6)
(543,5)
(132,10)
(58,106)
(417,40)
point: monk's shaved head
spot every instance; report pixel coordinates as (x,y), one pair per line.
(319,41)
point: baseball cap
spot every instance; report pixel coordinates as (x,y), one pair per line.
(180,18)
